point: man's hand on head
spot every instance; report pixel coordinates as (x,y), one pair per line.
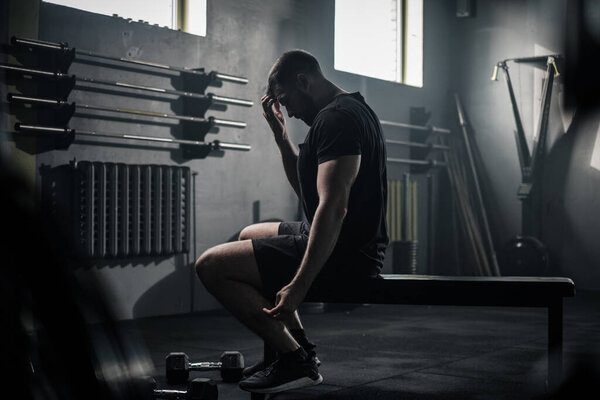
(274,116)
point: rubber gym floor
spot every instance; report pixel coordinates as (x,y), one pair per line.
(397,352)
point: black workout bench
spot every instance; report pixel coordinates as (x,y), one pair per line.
(510,291)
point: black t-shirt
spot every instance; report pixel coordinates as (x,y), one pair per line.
(348,126)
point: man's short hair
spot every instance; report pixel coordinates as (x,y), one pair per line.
(288,66)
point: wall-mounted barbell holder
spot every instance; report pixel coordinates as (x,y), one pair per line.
(70,53)
(64,136)
(70,108)
(68,79)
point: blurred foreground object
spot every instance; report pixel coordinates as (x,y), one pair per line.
(582,54)
(60,338)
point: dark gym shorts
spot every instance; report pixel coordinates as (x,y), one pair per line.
(279,257)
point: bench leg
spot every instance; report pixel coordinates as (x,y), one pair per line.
(555,344)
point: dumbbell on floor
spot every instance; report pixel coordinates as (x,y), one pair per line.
(198,389)
(178,367)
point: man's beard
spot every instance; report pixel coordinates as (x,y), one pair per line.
(309,111)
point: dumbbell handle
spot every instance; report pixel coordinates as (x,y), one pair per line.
(204,366)
(169,393)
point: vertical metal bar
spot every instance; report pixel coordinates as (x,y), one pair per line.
(388,219)
(157,201)
(398,204)
(522,147)
(486,226)
(124,211)
(430,223)
(168,208)
(538,153)
(86,176)
(136,212)
(177,220)
(193,272)
(555,342)
(100,208)
(187,209)
(396,210)
(111,209)
(415,211)
(455,234)
(406,214)
(146,207)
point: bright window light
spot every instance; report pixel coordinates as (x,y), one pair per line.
(380,38)
(187,15)
(413,67)
(194,17)
(161,12)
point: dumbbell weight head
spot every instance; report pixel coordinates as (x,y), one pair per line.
(202,389)
(232,366)
(178,368)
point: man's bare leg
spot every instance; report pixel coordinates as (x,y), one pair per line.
(230,273)
(266,229)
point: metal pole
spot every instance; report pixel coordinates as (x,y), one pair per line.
(431,163)
(215,121)
(486,225)
(521,140)
(406,214)
(534,198)
(430,222)
(215,145)
(65,47)
(415,127)
(420,145)
(193,281)
(536,59)
(59,75)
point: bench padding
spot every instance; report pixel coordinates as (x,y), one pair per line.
(518,291)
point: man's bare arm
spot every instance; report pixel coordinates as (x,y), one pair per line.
(334,182)
(289,153)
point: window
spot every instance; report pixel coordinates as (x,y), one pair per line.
(381,39)
(187,15)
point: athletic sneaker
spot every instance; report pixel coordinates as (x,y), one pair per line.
(259,366)
(292,371)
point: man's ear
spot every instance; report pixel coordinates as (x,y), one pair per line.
(302,82)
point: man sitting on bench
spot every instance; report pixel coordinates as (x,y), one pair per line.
(340,176)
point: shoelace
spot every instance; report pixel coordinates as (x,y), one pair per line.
(269,369)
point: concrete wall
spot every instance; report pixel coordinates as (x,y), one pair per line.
(571,219)
(227,187)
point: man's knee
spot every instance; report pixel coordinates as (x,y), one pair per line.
(259,230)
(246,233)
(207,268)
